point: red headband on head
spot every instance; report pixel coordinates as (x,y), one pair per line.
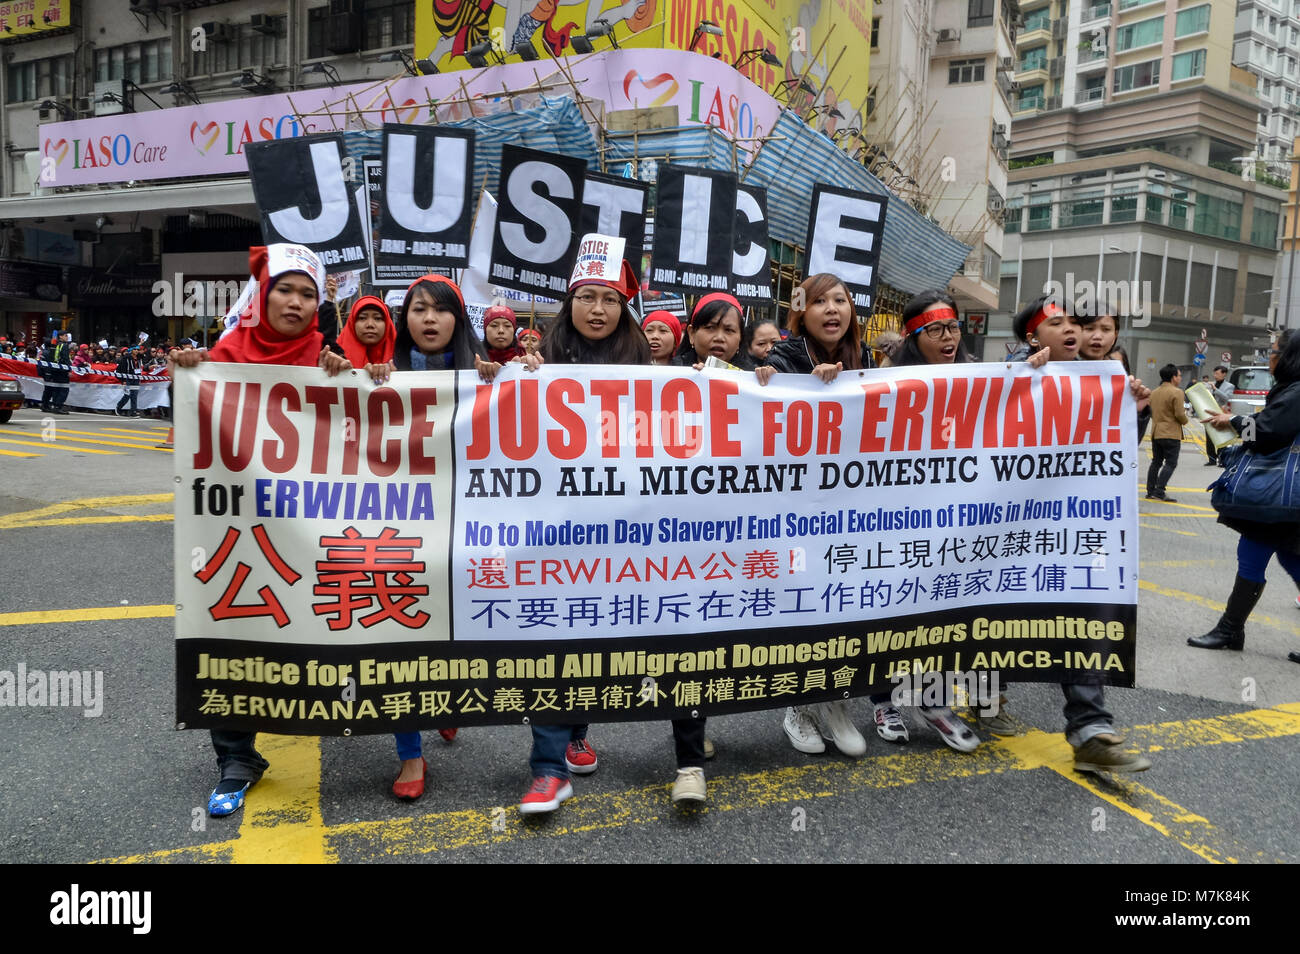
(1050,309)
(439,278)
(669,320)
(926,317)
(529,333)
(716,296)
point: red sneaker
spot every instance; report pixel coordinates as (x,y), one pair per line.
(545,795)
(448,735)
(580,757)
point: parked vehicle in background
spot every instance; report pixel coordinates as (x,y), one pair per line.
(11,397)
(1250,385)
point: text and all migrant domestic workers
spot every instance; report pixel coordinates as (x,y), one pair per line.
(580,544)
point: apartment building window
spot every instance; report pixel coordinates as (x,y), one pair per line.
(1124,203)
(980,12)
(1038,19)
(1192,20)
(389,23)
(1142,33)
(1035,59)
(1014,212)
(1040,213)
(1290,66)
(39,79)
(1084,208)
(1272,26)
(149,62)
(1178,211)
(1263,230)
(1188,65)
(317,24)
(1220,218)
(1131,4)
(1137,76)
(1155,203)
(875,33)
(1031,97)
(241,48)
(965,71)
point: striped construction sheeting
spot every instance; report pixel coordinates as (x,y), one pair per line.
(555,126)
(915,253)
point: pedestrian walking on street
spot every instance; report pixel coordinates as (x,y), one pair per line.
(1223,390)
(128,369)
(1167,420)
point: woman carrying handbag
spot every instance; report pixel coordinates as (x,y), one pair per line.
(1270,432)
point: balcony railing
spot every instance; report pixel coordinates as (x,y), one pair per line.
(1096,12)
(1094,95)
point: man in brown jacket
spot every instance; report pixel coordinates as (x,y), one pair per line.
(1167,420)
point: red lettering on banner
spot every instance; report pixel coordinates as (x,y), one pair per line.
(1018,422)
(722,418)
(203,457)
(559,396)
(830,415)
(480,424)
(1091,403)
(683,393)
(609,392)
(643,401)
(352,447)
(991,412)
(518,419)
(282,396)
(872,416)
(383,464)
(323,400)
(236,458)
(909,406)
(956,416)
(421,462)
(1058,410)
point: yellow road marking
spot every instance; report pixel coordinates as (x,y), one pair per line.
(1174,503)
(1177,563)
(9,453)
(70,448)
(90,614)
(1185,516)
(1216,607)
(296,769)
(1152,526)
(282,821)
(149,432)
(142,440)
(91,440)
(80,521)
(26,517)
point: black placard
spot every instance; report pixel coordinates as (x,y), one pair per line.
(751,265)
(695,217)
(539,214)
(844,230)
(305,198)
(426,206)
(615,206)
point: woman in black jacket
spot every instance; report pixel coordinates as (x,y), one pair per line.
(1276,426)
(825,336)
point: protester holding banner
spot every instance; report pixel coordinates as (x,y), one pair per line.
(435,335)
(596,326)
(715,331)
(825,335)
(499,324)
(282,330)
(1100,342)
(530,340)
(1089,727)
(664,332)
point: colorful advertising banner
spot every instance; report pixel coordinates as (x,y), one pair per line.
(604,544)
(33,17)
(210,139)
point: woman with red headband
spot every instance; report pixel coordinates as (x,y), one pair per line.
(596,326)
(715,331)
(275,324)
(499,326)
(368,336)
(664,333)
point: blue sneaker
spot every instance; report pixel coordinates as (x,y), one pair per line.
(226,803)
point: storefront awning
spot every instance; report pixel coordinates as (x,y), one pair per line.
(231,195)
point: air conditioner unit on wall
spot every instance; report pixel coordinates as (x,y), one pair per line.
(267,23)
(948,36)
(219,32)
(1007,64)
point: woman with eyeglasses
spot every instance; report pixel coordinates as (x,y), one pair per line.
(1276,425)
(596,326)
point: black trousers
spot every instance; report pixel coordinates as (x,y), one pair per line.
(1164,458)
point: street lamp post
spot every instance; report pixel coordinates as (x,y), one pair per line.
(1127,309)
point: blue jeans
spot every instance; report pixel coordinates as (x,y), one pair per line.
(1253,557)
(1085,710)
(408,745)
(549,743)
(236,756)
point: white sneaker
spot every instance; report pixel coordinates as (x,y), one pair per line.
(890,724)
(835,724)
(690,786)
(803,732)
(951,729)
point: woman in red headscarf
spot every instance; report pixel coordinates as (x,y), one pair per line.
(277,327)
(368,336)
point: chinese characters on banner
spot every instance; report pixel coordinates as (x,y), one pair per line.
(578,544)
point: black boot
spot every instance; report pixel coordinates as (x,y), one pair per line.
(1230,632)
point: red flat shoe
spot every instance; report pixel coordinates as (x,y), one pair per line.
(449,735)
(410,791)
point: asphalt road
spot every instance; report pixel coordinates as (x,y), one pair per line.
(86,553)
